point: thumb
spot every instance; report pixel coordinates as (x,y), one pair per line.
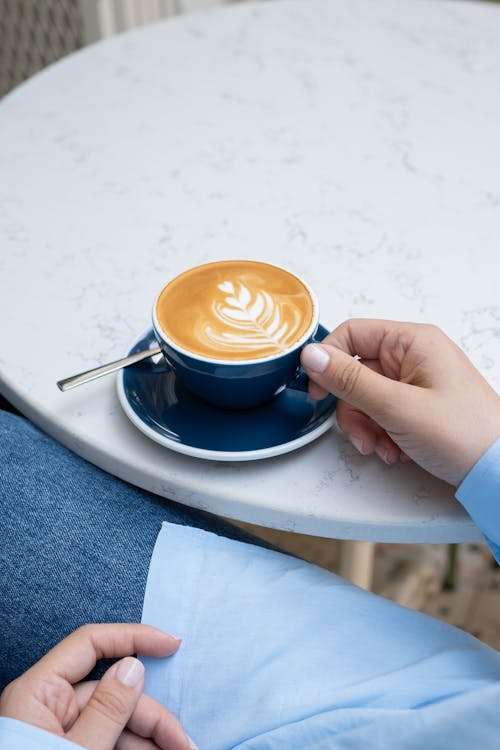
(110,706)
(349,379)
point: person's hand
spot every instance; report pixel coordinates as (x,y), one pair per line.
(412,394)
(111,713)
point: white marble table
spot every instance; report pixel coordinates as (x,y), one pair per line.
(355,142)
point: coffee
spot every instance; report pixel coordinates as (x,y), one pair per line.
(235,310)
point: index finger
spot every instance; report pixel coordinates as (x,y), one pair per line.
(75,656)
(150,719)
(363,336)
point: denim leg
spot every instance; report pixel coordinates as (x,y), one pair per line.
(75,543)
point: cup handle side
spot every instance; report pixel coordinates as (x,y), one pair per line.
(300,381)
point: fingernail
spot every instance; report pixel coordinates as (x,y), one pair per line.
(388,455)
(191,743)
(315,358)
(381,453)
(357,442)
(130,671)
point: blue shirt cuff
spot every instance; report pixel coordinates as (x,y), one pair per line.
(479,493)
(16,735)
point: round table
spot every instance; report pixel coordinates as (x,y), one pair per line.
(354,142)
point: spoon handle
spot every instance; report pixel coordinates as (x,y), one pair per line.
(98,372)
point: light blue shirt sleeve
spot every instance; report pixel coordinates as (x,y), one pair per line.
(277,653)
(479,493)
(16,735)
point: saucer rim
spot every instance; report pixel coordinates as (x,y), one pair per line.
(214,455)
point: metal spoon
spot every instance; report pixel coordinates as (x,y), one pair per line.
(98,372)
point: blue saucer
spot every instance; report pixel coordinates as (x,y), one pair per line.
(168,413)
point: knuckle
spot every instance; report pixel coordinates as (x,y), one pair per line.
(83,634)
(83,630)
(9,692)
(433,330)
(433,340)
(110,705)
(347,378)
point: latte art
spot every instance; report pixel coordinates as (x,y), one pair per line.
(250,319)
(235,310)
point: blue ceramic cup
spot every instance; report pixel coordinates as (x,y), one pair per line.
(238,383)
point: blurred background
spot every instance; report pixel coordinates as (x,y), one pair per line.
(456,583)
(34,33)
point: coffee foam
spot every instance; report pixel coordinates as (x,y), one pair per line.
(241,310)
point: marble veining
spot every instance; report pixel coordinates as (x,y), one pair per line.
(354,142)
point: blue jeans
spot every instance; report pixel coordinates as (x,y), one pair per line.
(51,582)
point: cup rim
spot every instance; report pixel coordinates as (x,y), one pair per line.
(231,362)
